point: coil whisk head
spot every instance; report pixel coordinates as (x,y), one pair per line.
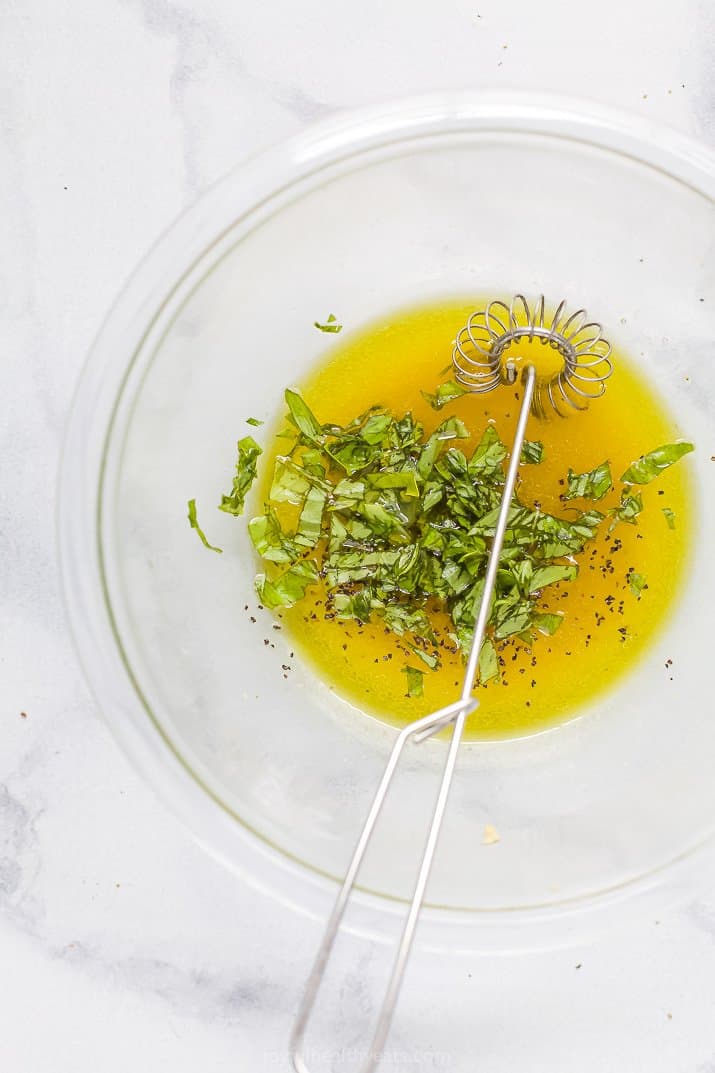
(486,353)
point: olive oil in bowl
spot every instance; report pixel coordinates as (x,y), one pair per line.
(628,577)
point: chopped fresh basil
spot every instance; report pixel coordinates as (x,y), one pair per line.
(415,681)
(629,508)
(489,453)
(359,606)
(488,661)
(375,428)
(532,452)
(549,575)
(290,482)
(649,466)
(593,485)
(394,523)
(402,620)
(406,481)
(430,658)
(403,520)
(331,325)
(546,623)
(303,417)
(446,392)
(246,463)
(636,582)
(289,587)
(669,516)
(270,541)
(193,522)
(311,518)
(253,421)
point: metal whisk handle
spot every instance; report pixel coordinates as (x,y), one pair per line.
(419,730)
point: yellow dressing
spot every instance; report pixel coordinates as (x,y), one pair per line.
(606,627)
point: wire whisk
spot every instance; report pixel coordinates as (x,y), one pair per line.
(494,347)
(482,348)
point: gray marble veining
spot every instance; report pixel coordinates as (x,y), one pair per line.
(127,946)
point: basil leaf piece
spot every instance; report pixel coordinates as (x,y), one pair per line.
(452,428)
(289,587)
(406,481)
(246,464)
(532,452)
(629,509)
(376,428)
(488,661)
(649,466)
(446,392)
(430,658)
(669,516)
(270,541)
(303,417)
(489,453)
(193,522)
(516,621)
(357,606)
(549,575)
(592,485)
(254,421)
(636,583)
(311,519)
(415,681)
(402,619)
(547,623)
(331,325)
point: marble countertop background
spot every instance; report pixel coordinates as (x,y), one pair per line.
(123,946)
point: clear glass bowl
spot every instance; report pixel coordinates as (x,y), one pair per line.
(446,196)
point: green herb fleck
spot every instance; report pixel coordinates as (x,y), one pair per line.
(636,582)
(256,422)
(248,454)
(669,516)
(415,681)
(532,453)
(628,509)
(193,522)
(430,658)
(311,518)
(270,541)
(331,325)
(593,485)
(548,575)
(289,587)
(488,661)
(547,623)
(303,417)
(446,392)
(651,465)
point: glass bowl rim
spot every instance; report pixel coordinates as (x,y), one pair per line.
(239,193)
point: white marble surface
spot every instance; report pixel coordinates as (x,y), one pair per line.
(122,945)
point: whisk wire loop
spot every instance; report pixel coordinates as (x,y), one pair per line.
(481,345)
